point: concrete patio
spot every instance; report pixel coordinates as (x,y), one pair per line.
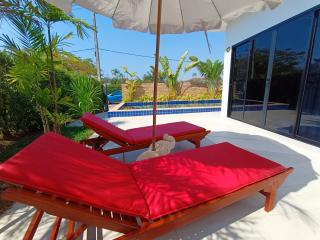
(296,216)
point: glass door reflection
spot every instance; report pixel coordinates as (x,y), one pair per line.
(310,114)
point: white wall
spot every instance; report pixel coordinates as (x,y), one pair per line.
(253,23)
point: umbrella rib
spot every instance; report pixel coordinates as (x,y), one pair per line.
(149,15)
(214,5)
(181,15)
(115,9)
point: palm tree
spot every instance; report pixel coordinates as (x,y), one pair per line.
(172,78)
(212,72)
(41,17)
(10,7)
(30,70)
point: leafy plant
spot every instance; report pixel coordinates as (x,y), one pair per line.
(69,62)
(149,76)
(131,86)
(17,114)
(86,94)
(172,78)
(163,98)
(145,98)
(114,82)
(130,75)
(114,85)
(33,22)
(28,75)
(212,72)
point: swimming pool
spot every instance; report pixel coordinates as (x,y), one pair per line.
(130,109)
(171,104)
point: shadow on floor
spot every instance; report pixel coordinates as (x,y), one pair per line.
(219,225)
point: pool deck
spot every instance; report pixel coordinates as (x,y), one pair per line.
(296,216)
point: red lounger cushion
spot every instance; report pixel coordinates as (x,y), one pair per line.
(138,135)
(56,165)
(175,129)
(151,188)
(178,181)
(104,128)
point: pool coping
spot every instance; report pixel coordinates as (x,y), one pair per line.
(162,111)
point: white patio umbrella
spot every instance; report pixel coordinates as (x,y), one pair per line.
(168,17)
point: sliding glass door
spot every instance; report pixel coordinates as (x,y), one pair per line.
(240,75)
(310,115)
(249,79)
(275,80)
(256,83)
(288,66)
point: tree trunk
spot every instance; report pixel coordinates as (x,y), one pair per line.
(44,119)
(52,79)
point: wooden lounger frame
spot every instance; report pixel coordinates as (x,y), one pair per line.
(98,142)
(132,227)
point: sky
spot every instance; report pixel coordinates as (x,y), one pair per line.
(110,38)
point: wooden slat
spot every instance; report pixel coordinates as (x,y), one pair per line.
(33,225)
(71,211)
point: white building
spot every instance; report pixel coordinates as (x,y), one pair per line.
(272,70)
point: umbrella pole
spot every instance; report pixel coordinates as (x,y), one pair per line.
(156,75)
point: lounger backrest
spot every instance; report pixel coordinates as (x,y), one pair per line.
(58,166)
(104,128)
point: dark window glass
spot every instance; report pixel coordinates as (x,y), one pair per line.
(291,47)
(310,116)
(257,79)
(241,62)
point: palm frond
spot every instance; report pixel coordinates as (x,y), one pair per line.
(180,64)
(9,43)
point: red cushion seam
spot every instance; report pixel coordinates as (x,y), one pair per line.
(135,180)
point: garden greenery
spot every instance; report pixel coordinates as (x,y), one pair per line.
(35,51)
(86,94)
(171,78)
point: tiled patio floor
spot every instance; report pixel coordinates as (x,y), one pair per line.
(296,216)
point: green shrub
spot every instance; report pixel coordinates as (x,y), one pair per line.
(163,98)
(188,97)
(131,86)
(86,94)
(114,85)
(145,98)
(17,115)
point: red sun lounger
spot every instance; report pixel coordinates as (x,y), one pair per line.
(142,200)
(137,138)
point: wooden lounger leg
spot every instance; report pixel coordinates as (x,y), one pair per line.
(70,229)
(33,225)
(270,195)
(196,142)
(55,228)
(77,232)
(271,192)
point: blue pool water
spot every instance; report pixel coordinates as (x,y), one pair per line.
(171,104)
(131,109)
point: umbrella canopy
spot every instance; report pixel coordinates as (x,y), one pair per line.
(169,17)
(178,16)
